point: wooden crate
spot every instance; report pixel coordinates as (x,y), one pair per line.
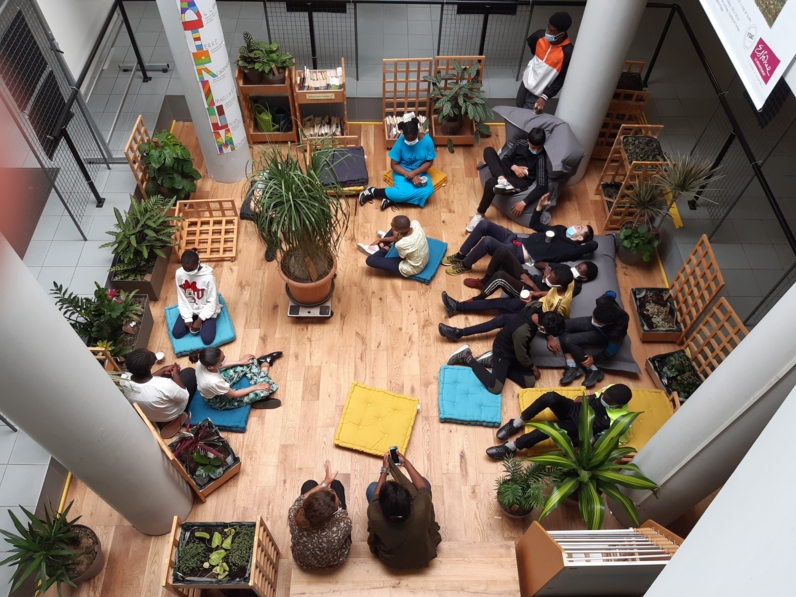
(245,92)
(404,90)
(210,226)
(621,209)
(626,107)
(443,65)
(139,135)
(202,492)
(616,166)
(264,565)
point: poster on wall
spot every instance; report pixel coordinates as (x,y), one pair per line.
(205,40)
(759,38)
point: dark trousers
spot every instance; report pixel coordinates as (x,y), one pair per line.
(502,368)
(563,408)
(501,281)
(371,489)
(379,260)
(525,99)
(188,377)
(505,260)
(578,333)
(207,332)
(497,168)
(336,486)
(508,305)
(486,239)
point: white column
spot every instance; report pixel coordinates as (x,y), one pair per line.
(604,36)
(54,390)
(230,166)
(698,449)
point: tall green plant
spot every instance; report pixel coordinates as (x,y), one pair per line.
(685,175)
(43,549)
(141,235)
(648,201)
(169,165)
(262,57)
(591,470)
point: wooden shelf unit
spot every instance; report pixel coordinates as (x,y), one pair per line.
(626,107)
(404,90)
(245,94)
(320,96)
(444,65)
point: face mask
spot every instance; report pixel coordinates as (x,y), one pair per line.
(595,324)
(571,232)
(575,273)
(549,37)
(411,142)
(547,281)
(606,405)
(533,152)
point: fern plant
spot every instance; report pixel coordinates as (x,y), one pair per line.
(169,165)
(521,489)
(141,235)
(262,57)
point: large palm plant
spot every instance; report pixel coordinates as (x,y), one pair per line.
(591,470)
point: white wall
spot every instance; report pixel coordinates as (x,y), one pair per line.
(76,25)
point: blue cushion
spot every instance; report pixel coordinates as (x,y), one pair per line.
(234,419)
(436,252)
(463,399)
(225,331)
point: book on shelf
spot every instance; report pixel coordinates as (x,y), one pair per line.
(329,79)
(319,126)
(392,124)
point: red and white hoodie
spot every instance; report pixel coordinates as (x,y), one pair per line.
(197,293)
(545,73)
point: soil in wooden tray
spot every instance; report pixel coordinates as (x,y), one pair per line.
(643,149)
(191,465)
(630,82)
(655,310)
(611,189)
(87,547)
(677,373)
(129,339)
(215,552)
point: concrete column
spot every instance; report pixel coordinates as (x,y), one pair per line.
(604,36)
(229,166)
(54,390)
(698,449)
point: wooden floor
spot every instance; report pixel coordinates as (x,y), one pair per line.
(383,334)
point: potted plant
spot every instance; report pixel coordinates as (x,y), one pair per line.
(638,238)
(204,454)
(657,315)
(214,554)
(458,106)
(169,166)
(674,372)
(262,63)
(591,469)
(685,176)
(142,245)
(636,245)
(52,551)
(109,317)
(642,148)
(301,218)
(521,489)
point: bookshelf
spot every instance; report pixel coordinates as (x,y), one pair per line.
(310,97)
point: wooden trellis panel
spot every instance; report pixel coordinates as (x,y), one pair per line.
(104,357)
(626,107)
(696,284)
(616,166)
(443,65)
(716,336)
(622,209)
(210,226)
(403,88)
(139,135)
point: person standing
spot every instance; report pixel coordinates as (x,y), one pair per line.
(544,76)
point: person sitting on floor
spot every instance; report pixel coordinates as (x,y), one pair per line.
(410,158)
(320,529)
(510,356)
(608,404)
(163,395)
(197,299)
(549,243)
(402,530)
(607,328)
(214,378)
(515,172)
(410,243)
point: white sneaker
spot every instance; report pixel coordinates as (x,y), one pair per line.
(367,249)
(474,222)
(381,233)
(502,183)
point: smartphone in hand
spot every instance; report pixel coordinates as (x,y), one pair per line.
(394,455)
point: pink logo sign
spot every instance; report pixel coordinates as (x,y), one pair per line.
(764,59)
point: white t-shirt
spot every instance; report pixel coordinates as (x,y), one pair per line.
(413,249)
(210,383)
(160,399)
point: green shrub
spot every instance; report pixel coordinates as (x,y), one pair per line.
(240,554)
(191,558)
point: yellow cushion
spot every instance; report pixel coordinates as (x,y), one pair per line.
(655,406)
(438,179)
(375,420)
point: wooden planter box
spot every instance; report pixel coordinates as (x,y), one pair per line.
(654,366)
(263,567)
(150,287)
(466,134)
(667,335)
(144,327)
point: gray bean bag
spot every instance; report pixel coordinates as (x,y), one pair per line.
(562,147)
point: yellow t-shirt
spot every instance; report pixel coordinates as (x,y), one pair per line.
(413,250)
(559,300)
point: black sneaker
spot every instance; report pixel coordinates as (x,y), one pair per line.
(570,375)
(485,359)
(500,452)
(449,332)
(460,356)
(267,403)
(385,203)
(508,430)
(269,358)
(449,304)
(270,254)
(366,196)
(593,376)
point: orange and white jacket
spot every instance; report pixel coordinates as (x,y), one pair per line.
(545,73)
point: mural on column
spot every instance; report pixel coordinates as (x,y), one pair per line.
(205,40)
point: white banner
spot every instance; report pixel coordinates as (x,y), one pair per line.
(205,40)
(759,36)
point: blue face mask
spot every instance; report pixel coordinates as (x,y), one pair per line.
(532,151)
(549,37)
(606,405)
(571,232)
(595,324)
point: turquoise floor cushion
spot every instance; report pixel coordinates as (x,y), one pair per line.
(463,399)
(225,331)
(436,252)
(234,419)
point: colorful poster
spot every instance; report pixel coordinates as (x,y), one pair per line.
(205,40)
(758,36)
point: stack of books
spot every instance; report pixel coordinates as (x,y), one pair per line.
(318,126)
(392,124)
(318,80)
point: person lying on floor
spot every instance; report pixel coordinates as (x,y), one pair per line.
(161,395)
(608,404)
(215,376)
(549,243)
(197,299)
(522,165)
(510,356)
(606,329)
(410,158)
(410,243)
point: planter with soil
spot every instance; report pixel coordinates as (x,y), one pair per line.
(301,287)
(642,149)
(656,315)
(136,333)
(459,132)
(206,470)
(674,372)
(630,82)
(253,77)
(275,79)
(515,512)
(610,192)
(91,560)
(170,194)
(151,284)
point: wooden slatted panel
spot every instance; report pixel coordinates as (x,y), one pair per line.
(403,88)
(174,540)
(715,337)
(210,226)
(696,284)
(616,166)
(265,561)
(626,107)
(622,209)
(102,354)
(139,135)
